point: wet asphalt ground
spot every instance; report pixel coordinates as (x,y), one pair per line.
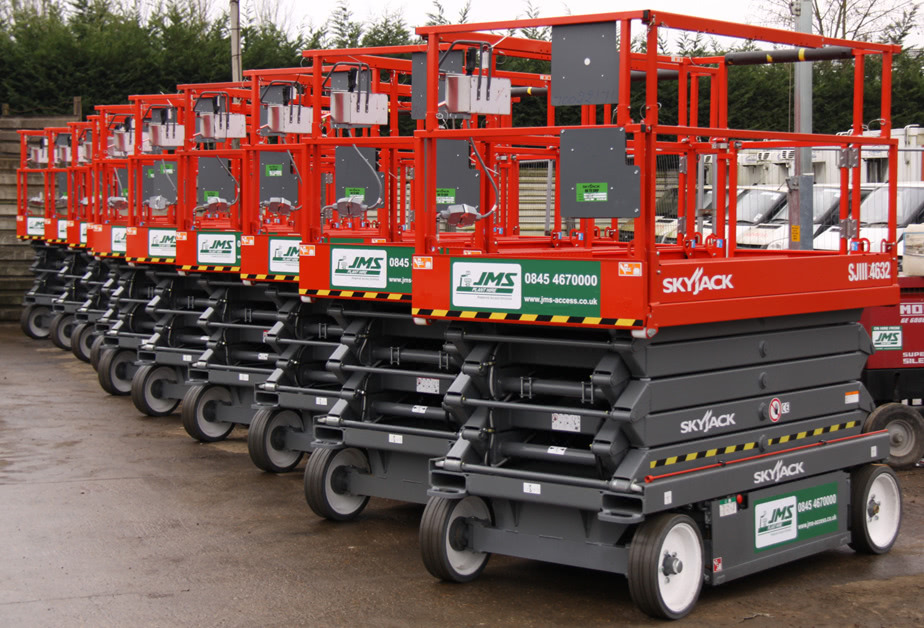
(110,518)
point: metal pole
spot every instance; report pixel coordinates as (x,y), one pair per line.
(800,184)
(236,71)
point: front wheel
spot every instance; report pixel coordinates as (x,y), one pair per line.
(61,330)
(875,509)
(115,371)
(906,432)
(445,530)
(266,440)
(35,321)
(96,351)
(666,565)
(326,489)
(148,393)
(200,412)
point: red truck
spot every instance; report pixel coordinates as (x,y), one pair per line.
(895,372)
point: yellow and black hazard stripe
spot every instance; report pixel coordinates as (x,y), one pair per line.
(152,260)
(712,453)
(57,241)
(269,277)
(110,254)
(358,294)
(529,318)
(212,269)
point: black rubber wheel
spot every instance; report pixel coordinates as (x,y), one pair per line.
(96,351)
(325,485)
(199,412)
(148,390)
(115,371)
(61,330)
(82,341)
(266,439)
(444,542)
(666,565)
(35,321)
(875,509)
(906,432)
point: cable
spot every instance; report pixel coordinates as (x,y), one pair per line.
(378,180)
(471,141)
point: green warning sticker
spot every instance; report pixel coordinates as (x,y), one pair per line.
(445,196)
(592,192)
(149,173)
(355,192)
(274,170)
(166,168)
(207,194)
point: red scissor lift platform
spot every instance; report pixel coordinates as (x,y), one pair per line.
(646,408)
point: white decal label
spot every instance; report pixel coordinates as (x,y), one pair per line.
(216,248)
(83,233)
(283,256)
(35,226)
(557,451)
(359,268)
(119,239)
(887,338)
(532,489)
(397,439)
(775,522)
(187,357)
(668,498)
(728,507)
(419,409)
(428,385)
(566,422)
(494,286)
(162,242)
(851,397)
(321,401)
(263,357)
(244,377)
(62,230)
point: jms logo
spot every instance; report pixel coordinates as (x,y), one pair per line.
(487,283)
(216,246)
(119,236)
(887,338)
(285,253)
(359,266)
(164,241)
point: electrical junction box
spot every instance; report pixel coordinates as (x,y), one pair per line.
(289,119)
(121,142)
(85,153)
(472,94)
(358,108)
(38,155)
(223,126)
(169,135)
(62,154)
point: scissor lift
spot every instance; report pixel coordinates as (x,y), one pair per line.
(678,413)
(37,206)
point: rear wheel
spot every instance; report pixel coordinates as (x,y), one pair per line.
(906,432)
(445,542)
(115,371)
(148,390)
(666,565)
(61,330)
(326,489)
(82,341)
(200,412)
(35,321)
(875,509)
(266,439)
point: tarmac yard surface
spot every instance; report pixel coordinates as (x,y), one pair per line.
(110,518)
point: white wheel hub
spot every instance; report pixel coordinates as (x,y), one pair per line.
(680,567)
(883,510)
(463,560)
